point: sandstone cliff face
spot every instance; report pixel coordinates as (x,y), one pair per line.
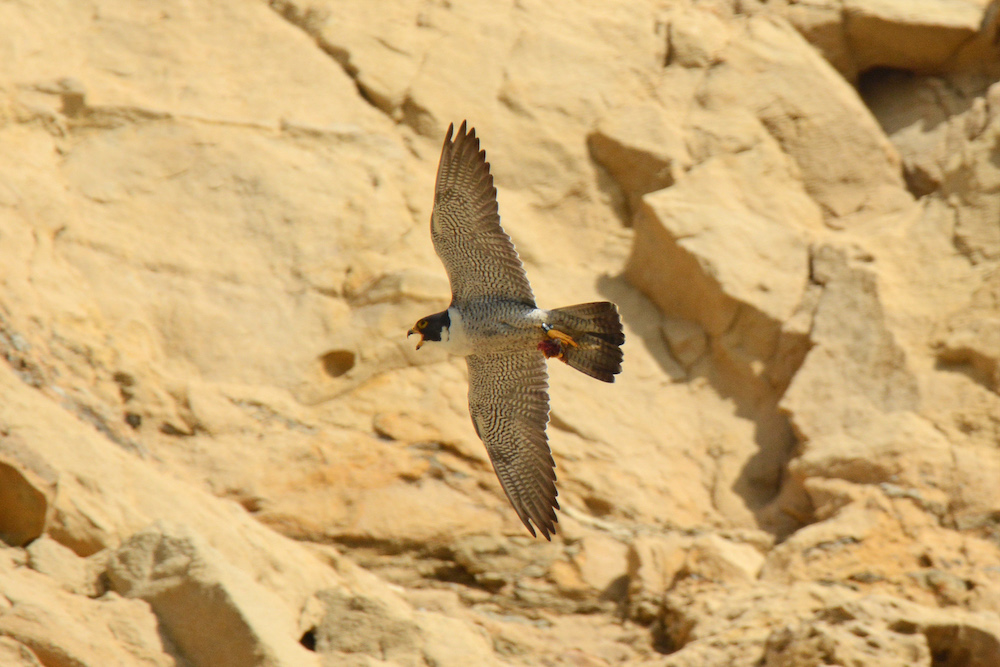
(217,448)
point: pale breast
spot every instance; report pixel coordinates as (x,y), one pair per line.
(494,326)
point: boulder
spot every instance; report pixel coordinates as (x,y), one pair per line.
(212,612)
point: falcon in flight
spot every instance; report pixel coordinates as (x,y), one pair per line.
(493,322)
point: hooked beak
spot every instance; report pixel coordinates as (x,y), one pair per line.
(414,331)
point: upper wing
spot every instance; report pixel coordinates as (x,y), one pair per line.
(465,226)
(509,404)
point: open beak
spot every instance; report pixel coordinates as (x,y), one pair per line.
(414,331)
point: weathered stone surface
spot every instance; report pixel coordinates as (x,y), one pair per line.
(213,237)
(845,162)
(929,35)
(716,559)
(854,349)
(362,630)
(25,500)
(643,148)
(831,621)
(212,612)
(927,119)
(76,575)
(817,641)
(56,627)
(16,654)
(926,36)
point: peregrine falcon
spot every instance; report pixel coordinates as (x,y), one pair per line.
(493,322)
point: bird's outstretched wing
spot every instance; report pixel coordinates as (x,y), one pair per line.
(509,404)
(465,226)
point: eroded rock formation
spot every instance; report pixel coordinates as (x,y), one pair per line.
(216,446)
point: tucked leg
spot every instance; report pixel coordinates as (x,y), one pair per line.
(563,338)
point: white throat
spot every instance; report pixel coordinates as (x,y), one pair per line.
(454,338)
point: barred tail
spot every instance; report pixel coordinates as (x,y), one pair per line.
(597,330)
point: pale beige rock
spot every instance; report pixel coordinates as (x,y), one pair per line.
(496,562)
(898,447)
(846,164)
(294,575)
(16,654)
(602,561)
(218,42)
(361,630)
(696,38)
(654,563)
(213,613)
(25,502)
(865,427)
(687,341)
(724,263)
(898,630)
(928,119)
(213,237)
(771,266)
(853,348)
(709,249)
(106,495)
(643,148)
(426,512)
(717,559)
(60,628)
(924,36)
(451,642)
(887,539)
(973,343)
(821,23)
(75,574)
(817,641)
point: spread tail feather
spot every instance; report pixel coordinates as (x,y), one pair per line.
(597,330)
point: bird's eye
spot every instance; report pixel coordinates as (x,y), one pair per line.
(422,324)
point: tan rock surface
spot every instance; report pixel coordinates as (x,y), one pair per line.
(27,499)
(16,654)
(213,237)
(57,627)
(924,36)
(206,607)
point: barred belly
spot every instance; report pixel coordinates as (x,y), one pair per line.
(490,326)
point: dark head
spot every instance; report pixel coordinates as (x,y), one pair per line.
(431,328)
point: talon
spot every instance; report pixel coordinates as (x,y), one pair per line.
(563,338)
